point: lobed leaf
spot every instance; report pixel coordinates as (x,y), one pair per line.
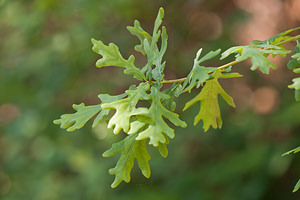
(130,149)
(208,97)
(77,120)
(199,74)
(126,108)
(149,47)
(112,57)
(173,91)
(152,125)
(142,35)
(257,54)
(277,38)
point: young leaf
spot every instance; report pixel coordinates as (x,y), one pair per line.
(296,56)
(112,57)
(199,74)
(297,186)
(125,108)
(84,113)
(159,66)
(142,35)
(162,147)
(231,75)
(295,63)
(130,149)
(149,47)
(78,120)
(173,91)
(155,128)
(257,54)
(296,86)
(296,150)
(277,38)
(158,21)
(210,111)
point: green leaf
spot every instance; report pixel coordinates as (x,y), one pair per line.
(296,56)
(142,35)
(158,21)
(296,150)
(173,91)
(162,147)
(84,113)
(130,149)
(112,57)
(277,38)
(126,108)
(208,97)
(152,125)
(297,186)
(293,64)
(159,66)
(296,86)
(199,74)
(149,47)
(231,75)
(78,120)
(257,54)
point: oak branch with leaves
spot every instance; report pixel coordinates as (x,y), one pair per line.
(146,124)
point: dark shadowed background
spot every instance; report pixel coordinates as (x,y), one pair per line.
(46,65)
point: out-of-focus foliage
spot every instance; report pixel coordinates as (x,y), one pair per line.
(46,64)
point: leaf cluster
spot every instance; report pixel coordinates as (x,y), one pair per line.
(152,122)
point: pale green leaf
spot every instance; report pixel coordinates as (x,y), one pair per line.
(155,128)
(162,147)
(208,97)
(296,86)
(296,150)
(296,56)
(130,149)
(231,75)
(112,57)
(84,113)
(126,108)
(297,186)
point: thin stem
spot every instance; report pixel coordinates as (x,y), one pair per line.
(228,65)
(180,80)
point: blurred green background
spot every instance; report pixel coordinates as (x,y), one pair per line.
(46,65)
